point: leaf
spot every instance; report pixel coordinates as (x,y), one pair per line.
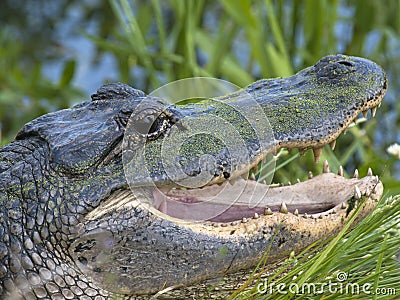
(67,73)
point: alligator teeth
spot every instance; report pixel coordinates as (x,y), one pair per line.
(289,183)
(298,180)
(365,113)
(296,212)
(340,171)
(332,144)
(252,176)
(373,111)
(355,173)
(310,175)
(367,192)
(244,220)
(256,216)
(369,172)
(268,211)
(325,168)
(343,206)
(317,153)
(357,192)
(283,209)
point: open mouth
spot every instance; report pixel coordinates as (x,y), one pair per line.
(317,197)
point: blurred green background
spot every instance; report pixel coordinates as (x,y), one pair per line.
(56,53)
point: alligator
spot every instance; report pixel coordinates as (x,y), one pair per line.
(74,225)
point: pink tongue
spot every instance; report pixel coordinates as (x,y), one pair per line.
(191,209)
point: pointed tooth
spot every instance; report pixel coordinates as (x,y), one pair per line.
(305,216)
(283,209)
(310,175)
(343,206)
(317,153)
(244,220)
(355,173)
(357,192)
(268,211)
(332,144)
(252,176)
(325,168)
(298,180)
(264,182)
(345,131)
(369,172)
(296,212)
(365,113)
(256,216)
(379,105)
(320,216)
(340,171)
(367,192)
(373,111)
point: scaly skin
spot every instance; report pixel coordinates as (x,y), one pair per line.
(71,227)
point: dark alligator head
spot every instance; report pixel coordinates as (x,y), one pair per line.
(105,209)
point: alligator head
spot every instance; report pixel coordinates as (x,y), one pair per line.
(102,207)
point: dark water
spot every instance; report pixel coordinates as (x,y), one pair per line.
(53,32)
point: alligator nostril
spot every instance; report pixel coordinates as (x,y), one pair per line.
(346,63)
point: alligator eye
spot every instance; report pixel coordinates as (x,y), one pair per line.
(147,125)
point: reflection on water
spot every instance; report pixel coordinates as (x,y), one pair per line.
(52,32)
